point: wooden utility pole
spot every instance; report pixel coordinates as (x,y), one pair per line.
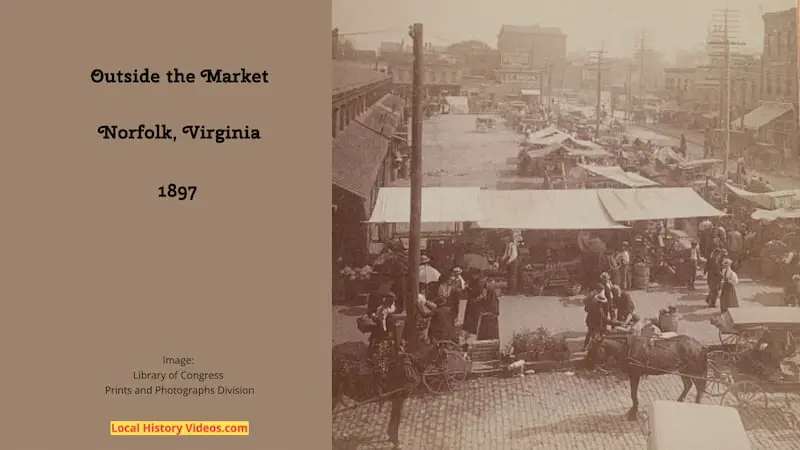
(725,27)
(410,327)
(628,91)
(641,52)
(599,68)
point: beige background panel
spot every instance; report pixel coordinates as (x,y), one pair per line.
(100,277)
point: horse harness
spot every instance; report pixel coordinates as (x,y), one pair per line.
(651,343)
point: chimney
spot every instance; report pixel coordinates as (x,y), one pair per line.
(335,43)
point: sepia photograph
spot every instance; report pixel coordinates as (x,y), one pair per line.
(565,225)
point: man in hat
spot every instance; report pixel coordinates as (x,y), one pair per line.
(692,261)
(596,318)
(623,305)
(453,290)
(511,260)
(713,272)
(625,266)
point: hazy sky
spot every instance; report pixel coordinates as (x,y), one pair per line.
(672,24)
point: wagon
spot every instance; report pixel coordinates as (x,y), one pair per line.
(740,327)
(747,380)
(691,426)
(438,378)
(484,123)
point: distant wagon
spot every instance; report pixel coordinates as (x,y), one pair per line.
(484,123)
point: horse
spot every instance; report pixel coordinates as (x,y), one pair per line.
(405,374)
(639,356)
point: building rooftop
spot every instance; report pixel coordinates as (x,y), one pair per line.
(347,77)
(774,14)
(531,29)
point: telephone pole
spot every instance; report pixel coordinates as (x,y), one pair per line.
(628,91)
(599,67)
(725,27)
(410,326)
(642,50)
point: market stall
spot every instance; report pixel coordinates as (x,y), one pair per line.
(557,240)
(614,177)
(557,155)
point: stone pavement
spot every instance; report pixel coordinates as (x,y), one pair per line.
(552,410)
(542,411)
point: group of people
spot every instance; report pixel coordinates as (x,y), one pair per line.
(436,310)
(609,305)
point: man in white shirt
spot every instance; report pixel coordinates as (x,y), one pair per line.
(511,261)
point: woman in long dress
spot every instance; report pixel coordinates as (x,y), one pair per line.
(728,296)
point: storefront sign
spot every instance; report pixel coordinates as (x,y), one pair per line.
(515,59)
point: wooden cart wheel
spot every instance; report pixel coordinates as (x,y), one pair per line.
(792,419)
(745,394)
(727,338)
(448,374)
(721,372)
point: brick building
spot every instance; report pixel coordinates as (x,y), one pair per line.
(439,76)
(365,118)
(775,120)
(530,56)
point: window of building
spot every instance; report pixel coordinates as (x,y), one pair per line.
(778,86)
(433,77)
(779,42)
(768,87)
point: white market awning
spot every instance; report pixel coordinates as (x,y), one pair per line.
(569,209)
(765,114)
(530,92)
(773,214)
(439,205)
(658,203)
(615,173)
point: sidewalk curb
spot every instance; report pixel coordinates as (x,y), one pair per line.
(537,366)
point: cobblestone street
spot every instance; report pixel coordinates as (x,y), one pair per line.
(543,411)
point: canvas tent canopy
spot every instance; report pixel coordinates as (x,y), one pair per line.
(577,209)
(439,204)
(773,214)
(765,114)
(626,205)
(767,200)
(570,209)
(615,173)
(458,105)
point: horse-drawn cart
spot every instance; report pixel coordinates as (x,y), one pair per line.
(444,373)
(758,363)
(740,327)
(484,123)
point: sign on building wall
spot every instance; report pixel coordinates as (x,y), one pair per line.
(515,59)
(524,78)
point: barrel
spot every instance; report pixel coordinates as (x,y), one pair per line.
(668,322)
(641,276)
